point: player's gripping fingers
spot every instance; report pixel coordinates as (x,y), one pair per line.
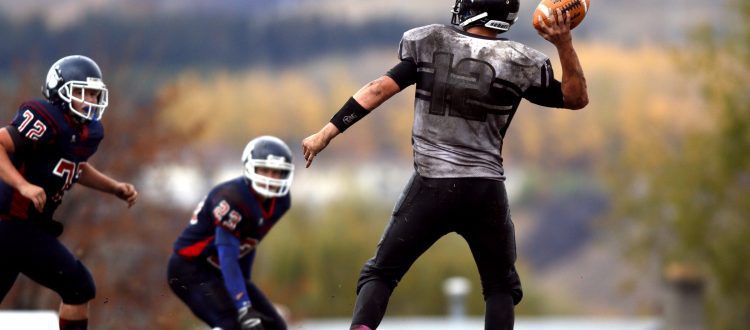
(35,194)
(543,28)
(562,20)
(558,30)
(560,23)
(567,21)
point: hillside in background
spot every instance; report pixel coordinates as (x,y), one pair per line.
(170,35)
(612,20)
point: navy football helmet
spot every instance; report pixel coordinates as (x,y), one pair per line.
(495,14)
(268,152)
(76,72)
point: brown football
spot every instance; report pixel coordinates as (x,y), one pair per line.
(576,9)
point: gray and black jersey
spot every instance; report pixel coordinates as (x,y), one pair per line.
(468,89)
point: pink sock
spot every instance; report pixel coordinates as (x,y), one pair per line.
(360,327)
(73,324)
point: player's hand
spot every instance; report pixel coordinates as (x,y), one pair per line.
(315,143)
(558,31)
(34,193)
(311,146)
(250,319)
(126,192)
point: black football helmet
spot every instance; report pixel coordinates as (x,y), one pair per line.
(495,14)
(76,72)
(268,152)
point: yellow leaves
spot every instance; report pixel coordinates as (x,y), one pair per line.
(639,102)
(236,107)
(291,103)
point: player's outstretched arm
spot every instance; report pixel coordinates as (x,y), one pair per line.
(574,90)
(11,176)
(92,178)
(365,100)
(376,92)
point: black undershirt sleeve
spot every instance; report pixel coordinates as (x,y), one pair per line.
(19,142)
(550,96)
(404,73)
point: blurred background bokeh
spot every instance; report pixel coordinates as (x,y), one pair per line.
(649,183)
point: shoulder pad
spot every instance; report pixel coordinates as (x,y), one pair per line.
(526,56)
(409,49)
(421,32)
(37,120)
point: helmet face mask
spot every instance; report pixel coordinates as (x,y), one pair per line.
(495,14)
(90,110)
(273,155)
(69,80)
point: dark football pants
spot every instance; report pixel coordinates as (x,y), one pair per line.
(477,209)
(201,287)
(27,249)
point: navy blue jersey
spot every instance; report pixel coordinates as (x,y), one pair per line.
(233,206)
(50,147)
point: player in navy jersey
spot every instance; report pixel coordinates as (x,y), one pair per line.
(469,84)
(43,153)
(213,257)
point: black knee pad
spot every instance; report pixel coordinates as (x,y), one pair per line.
(79,287)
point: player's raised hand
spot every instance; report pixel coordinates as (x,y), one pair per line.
(558,30)
(315,143)
(126,192)
(35,194)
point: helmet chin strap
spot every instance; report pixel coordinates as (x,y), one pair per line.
(75,114)
(88,109)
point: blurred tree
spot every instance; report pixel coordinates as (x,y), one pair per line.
(689,195)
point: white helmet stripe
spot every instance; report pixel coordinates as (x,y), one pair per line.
(473,19)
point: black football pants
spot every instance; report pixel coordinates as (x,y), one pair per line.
(475,208)
(28,248)
(201,287)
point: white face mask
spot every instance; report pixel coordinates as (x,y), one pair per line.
(268,186)
(90,111)
(272,153)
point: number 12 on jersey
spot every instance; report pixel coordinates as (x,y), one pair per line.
(468,90)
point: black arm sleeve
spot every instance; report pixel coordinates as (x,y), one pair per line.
(550,96)
(404,73)
(19,142)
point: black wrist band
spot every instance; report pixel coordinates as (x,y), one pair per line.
(349,114)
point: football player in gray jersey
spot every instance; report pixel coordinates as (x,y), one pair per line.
(469,84)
